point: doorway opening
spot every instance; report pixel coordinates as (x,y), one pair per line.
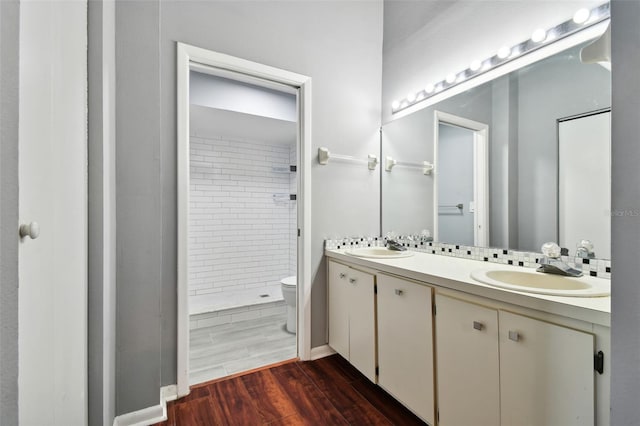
(243,213)
(461,180)
(242,226)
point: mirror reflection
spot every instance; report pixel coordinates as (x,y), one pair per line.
(543,173)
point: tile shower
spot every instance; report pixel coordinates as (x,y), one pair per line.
(242,241)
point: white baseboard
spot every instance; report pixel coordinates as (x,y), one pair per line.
(321,352)
(150,415)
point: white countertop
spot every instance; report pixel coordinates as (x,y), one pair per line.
(454,273)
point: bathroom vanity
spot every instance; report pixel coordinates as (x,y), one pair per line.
(456,351)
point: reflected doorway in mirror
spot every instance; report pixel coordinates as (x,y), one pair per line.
(461,180)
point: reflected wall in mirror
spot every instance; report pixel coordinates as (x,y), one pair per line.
(522,110)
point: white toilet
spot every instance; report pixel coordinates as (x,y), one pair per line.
(289,293)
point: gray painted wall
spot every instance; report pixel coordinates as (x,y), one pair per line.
(95,213)
(141,235)
(338,44)
(625,196)
(9,37)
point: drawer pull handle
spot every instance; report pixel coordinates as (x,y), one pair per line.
(399,292)
(477,325)
(514,335)
(352,280)
(343,275)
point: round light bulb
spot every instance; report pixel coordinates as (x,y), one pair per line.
(538,35)
(395,105)
(504,52)
(581,16)
(451,78)
(411,96)
(475,65)
(429,88)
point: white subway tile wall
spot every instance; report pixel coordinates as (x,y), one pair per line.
(241,221)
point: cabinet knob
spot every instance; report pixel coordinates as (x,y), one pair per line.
(514,335)
(477,325)
(31,230)
(352,280)
(343,275)
(399,292)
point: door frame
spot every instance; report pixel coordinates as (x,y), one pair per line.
(480,173)
(190,57)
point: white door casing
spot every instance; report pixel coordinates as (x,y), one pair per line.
(53,192)
(191,57)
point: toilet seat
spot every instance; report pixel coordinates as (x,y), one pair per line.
(289,281)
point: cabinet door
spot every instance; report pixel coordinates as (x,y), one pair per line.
(405,344)
(467,359)
(339,292)
(546,373)
(362,319)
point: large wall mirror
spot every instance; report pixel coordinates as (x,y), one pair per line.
(542,175)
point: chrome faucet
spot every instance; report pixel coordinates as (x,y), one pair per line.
(551,262)
(394,245)
(585,250)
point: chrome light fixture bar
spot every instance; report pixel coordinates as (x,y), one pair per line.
(583,18)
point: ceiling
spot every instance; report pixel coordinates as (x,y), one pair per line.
(212,123)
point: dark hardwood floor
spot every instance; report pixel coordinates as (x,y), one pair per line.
(328,391)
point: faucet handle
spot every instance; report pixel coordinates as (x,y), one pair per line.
(551,250)
(585,249)
(587,245)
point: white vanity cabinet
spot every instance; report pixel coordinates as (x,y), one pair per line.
(497,367)
(352,316)
(467,357)
(405,343)
(546,373)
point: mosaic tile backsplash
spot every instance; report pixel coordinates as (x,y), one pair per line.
(600,268)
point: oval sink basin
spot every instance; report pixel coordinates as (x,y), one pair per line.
(378,252)
(541,283)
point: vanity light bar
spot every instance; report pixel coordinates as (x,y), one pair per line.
(583,18)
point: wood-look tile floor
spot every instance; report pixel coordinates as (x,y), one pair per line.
(328,391)
(221,350)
